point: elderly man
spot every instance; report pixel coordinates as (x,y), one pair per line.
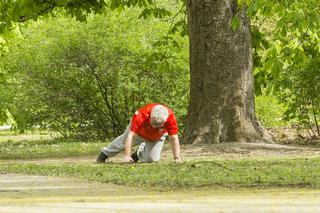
(149,128)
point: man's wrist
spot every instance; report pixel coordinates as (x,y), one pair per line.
(127,151)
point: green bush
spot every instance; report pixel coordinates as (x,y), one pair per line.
(300,89)
(85,80)
(270,111)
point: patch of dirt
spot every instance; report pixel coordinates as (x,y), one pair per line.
(242,150)
(213,151)
(295,136)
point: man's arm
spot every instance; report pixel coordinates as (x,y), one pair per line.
(127,147)
(174,139)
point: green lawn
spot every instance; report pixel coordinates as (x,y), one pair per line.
(289,172)
(34,146)
(205,172)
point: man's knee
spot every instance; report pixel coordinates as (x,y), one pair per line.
(152,158)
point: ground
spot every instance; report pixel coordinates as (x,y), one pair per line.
(24,193)
(21,193)
(218,151)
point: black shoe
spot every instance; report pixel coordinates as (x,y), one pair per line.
(101,158)
(134,157)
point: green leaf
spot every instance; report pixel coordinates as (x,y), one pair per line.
(164,66)
(180,25)
(2,78)
(268,64)
(241,3)
(276,68)
(175,44)
(150,2)
(144,14)
(235,23)
(113,4)
(283,31)
(257,89)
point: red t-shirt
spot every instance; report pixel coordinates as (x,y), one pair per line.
(140,124)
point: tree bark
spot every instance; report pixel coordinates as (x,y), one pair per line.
(221,107)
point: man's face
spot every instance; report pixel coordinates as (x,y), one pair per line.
(155,124)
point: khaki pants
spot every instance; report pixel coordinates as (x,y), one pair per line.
(150,153)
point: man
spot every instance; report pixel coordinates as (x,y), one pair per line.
(148,128)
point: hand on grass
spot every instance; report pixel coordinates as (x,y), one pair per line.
(178,160)
(127,159)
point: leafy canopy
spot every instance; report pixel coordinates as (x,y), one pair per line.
(13,11)
(285,33)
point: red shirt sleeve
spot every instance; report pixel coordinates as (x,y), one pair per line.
(135,122)
(172,125)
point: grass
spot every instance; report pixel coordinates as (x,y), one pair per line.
(33,146)
(62,149)
(294,173)
(207,172)
(28,135)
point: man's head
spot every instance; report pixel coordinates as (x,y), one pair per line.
(159,115)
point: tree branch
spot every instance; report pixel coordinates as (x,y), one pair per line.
(315,118)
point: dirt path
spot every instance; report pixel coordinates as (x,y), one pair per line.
(23,193)
(204,151)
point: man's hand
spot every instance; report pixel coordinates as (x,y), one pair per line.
(178,160)
(174,139)
(127,159)
(127,148)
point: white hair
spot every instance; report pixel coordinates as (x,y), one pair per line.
(160,113)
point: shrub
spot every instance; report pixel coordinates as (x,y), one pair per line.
(85,80)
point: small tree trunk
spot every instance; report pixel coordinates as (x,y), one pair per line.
(315,118)
(221,107)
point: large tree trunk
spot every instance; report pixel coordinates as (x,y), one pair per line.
(221,107)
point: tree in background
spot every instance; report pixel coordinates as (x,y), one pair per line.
(222,91)
(221,103)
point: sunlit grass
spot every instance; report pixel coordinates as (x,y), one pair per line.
(34,145)
(267,173)
(15,136)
